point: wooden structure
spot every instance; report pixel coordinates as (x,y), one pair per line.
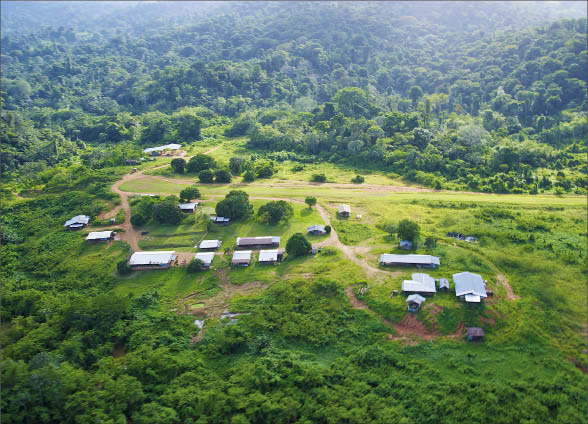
(344,211)
(475,333)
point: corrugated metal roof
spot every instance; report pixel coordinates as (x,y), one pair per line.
(205,257)
(468,283)
(242,255)
(97,235)
(253,241)
(151,258)
(409,259)
(268,255)
(79,219)
(188,206)
(420,282)
(210,244)
(344,208)
(320,228)
(416,298)
(171,146)
(475,332)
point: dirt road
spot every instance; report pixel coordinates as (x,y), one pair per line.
(130,235)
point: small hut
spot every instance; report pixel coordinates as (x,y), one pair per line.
(475,334)
(414,302)
(443,284)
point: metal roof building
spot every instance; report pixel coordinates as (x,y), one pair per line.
(78,221)
(316,229)
(171,146)
(258,241)
(100,236)
(469,286)
(161,259)
(205,257)
(242,258)
(420,283)
(344,210)
(188,207)
(271,256)
(427,261)
(414,302)
(210,244)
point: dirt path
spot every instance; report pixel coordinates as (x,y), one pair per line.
(130,235)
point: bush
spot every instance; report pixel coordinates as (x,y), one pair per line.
(236,164)
(200,162)
(310,201)
(297,168)
(167,212)
(189,193)
(265,171)
(178,165)
(328,229)
(358,179)
(275,211)
(123,267)
(222,176)
(318,178)
(430,242)
(195,265)
(205,176)
(248,176)
(137,220)
(298,245)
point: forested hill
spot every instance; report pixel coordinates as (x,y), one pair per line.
(476,82)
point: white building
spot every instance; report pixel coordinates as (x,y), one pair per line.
(425,261)
(420,283)
(470,287)
(152,260)
(209,244)
(242,258)
(205,257)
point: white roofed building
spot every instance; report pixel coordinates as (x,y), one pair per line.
(209,244)
(77,222)
(344,210)
(241,258)
(420,283)
(171,146)
(152,260)
(470,287)
(205,257)
(258,241)
(188,207)
(425,261)
(97,236)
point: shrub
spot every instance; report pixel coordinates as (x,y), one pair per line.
(248,176)
(178,165)
(265,171)
(430,242)
(222,176)
(297,168)
(205,176)
(137,220)
(123,267)
(236,164)
(167,212)
(200,162)
(358,179)
(195,265)
(298,245)
(328,229)
(318,178)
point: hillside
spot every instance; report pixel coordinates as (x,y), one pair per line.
(457,126)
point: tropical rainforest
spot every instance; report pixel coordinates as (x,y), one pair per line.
(465,98)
